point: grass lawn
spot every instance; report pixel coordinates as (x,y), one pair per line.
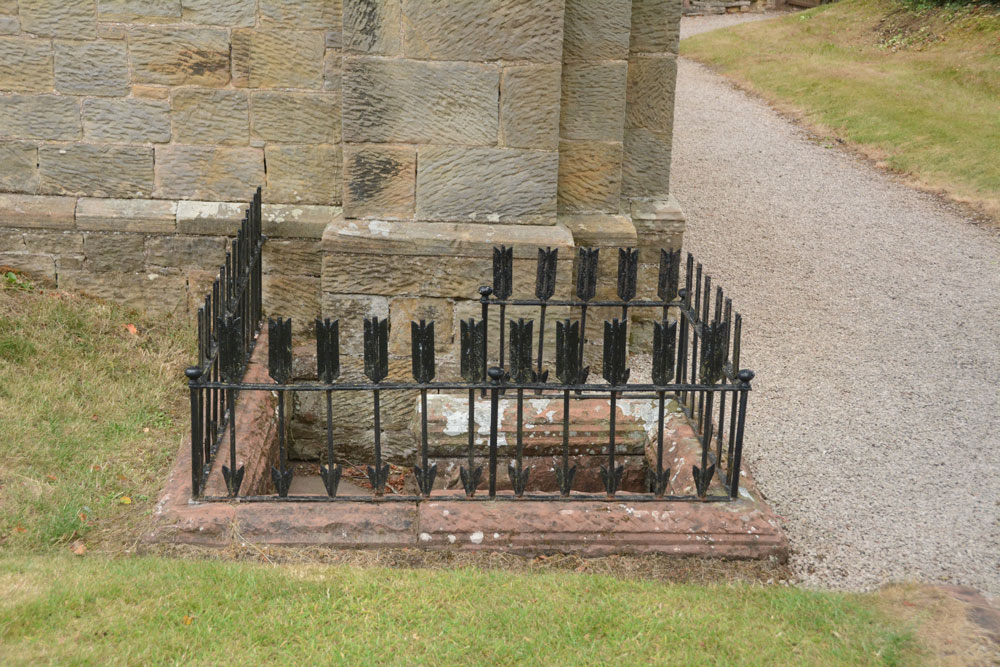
(916,88)
(92,407)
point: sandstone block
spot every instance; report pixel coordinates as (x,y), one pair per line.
(50,117)
(26,65)
(302,14)
(11,240)
(8,6)
(229,13)
(206,116)
(593,101)
(439,239)
(128,120)
(278,58)
(73,19)
(296,117)
(280,220)
(112,31)
(151,92)
(380,181)
(298,221)
(486,184)
(293,257)
(483,30)
(193,252)
(372,27)
(54,243)
(646,164)
(196,172)
(331,69)
(114,252)
(37,211)
(650,96)
(9,25)
(589,176)
(141,11)
(126,215)
(406,310)
(297,297)
(20,166)
(96,171)
(655,26)
(209,217)
(307,174)
(417,275)
(351,310)
(35,266)
(529,107)
(180,56)
(405,101)
(596,30)
(157,293)
(92,68)
(353,416)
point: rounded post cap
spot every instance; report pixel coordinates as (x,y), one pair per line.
(745,375)
(485,291)
(495,373)
(192,372)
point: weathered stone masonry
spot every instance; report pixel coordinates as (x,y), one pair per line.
(440,126)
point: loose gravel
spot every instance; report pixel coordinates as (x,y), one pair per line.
(872,317)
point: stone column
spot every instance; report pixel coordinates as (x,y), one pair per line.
(649,124)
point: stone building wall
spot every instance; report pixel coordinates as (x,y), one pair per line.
(128,126)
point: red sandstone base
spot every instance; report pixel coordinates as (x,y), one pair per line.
(742,528)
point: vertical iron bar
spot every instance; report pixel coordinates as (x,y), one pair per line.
(737,327)
(496,374)
(472,443)
(197,444)
(734,485)
(567,479)
(503,310)
(583,335)
(611,443)
(423,439)
(541,343)
(519,454)
(231,396)
(484,299)
(379,486)
(661,395)
(705,443)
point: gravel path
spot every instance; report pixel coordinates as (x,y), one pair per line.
(872,315)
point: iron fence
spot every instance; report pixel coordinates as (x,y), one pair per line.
(695,359)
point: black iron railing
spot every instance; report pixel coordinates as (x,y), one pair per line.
(228,324)
(695,359)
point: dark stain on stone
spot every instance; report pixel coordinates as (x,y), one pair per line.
(371,172)
(365,24)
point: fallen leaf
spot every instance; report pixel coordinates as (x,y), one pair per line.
(20,529)
(125,500)
(95,468)
(82,516)
(51,478)
(131,329)
(188,620)
(93,418)
(145,430)
(78,548)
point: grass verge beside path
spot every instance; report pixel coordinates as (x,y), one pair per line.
(915,87)
(141,610)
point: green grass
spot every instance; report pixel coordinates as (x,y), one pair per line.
(913,86)
(91,415)
(143,610)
